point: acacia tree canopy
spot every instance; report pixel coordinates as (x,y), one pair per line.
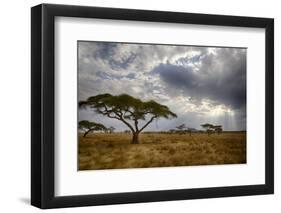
(111,129)
(181,127)
(128,109)
(207,126)
(212,128)
(89,126)
(217,129)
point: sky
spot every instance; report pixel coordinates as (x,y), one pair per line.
(200,84)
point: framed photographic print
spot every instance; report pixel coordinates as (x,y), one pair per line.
(139,106)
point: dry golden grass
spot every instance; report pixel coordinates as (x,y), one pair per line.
(114,151)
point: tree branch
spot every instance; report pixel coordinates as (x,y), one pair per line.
(118,116)
(129,125)
(151,119)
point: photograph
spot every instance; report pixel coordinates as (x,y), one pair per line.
(140,105)
(160,105)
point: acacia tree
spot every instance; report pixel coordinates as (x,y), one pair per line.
(88,126)
(111,129)
(128,110)
(181,128)
(172,131)
(189,130)
(127,131)
(208,127)
(218,129)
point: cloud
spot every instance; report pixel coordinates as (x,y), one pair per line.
(221,77)
(200,84)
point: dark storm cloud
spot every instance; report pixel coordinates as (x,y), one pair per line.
(220,78)
(131,75)
(107,52)
(177,76)
(199,84)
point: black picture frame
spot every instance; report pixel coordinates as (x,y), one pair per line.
(43,111)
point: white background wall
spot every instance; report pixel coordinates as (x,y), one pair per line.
(15,105)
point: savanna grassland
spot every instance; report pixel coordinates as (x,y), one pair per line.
(114,151)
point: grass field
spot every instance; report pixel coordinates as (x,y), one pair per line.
(114,151)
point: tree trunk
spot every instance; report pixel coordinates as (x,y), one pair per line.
(86,133)
(135,139)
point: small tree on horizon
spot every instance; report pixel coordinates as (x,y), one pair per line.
(128,110)
(208,127)
(189,130)
(88,126)
(127,131)
(172,131)
(218,129)
(181,128)
(110,129)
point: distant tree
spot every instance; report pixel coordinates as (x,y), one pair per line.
(218,129)
(172,131)
(181,128)
(88,126)
(127,131)
(208,127)
(210,131)
(189,130)
(111,129)
(128,110)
